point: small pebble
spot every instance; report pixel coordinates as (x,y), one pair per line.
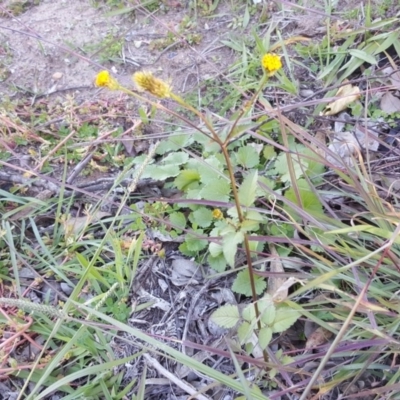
(66,288)
(27,273)
(57,76)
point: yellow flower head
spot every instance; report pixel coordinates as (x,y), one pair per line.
(145,81)
(217,214)
(104,79)
(271,63)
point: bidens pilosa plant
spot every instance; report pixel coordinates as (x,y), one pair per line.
(225,175)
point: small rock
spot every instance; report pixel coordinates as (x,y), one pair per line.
(27,273)
(57,76)
(306,93)
(66,288)
(137,43)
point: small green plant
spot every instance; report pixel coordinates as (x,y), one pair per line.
(212,177)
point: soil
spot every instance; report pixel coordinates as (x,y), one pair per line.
(56,46)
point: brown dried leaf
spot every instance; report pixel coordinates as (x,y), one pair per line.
(347,94)
(274,283)
(318,337)
(390,103)
(76,225)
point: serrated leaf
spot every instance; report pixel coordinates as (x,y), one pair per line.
(281,167)
(244,332)
(216,189)
(209,168)
(194,243)
(202,217)
(268,314)
(263,184)
(174,142)
(226,316)
(185,251)
(249,225)
(269,152)
(315,168)
(264,337)
(247,156)
(285,317)
(161,172)
(247,190)
(178,219)
(215,249)
(217,263)
(230,242)
(241,284)
(186,179)
(249,313)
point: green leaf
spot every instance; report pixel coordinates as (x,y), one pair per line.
(209,168)
(186,179)
(264,183)
(269,152)
(178,219)
(183,248)
(252,221)
(285,317)
(247,190)
(215,249)
(246,17)
(174,142)
(226,316)
(249,313)
(244,332)
(216,189)
(233,45)
(264,337)
(229,246)
(194,243)
(281,167)
(202,217)
(247,156)
(175,158)
(268,312)
(362,55)
(161,172)
(315,167)
(310,201)
(217,263)
(241,285)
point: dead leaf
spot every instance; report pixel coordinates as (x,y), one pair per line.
(346,146)
(395,79)
(274,283)
(76,225)
(390,103)
(367,138)
(347,94)
(185,272)
(319,337)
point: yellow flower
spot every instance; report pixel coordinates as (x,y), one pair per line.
(217,214)
(104,79)
(145,81)
(271,63)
